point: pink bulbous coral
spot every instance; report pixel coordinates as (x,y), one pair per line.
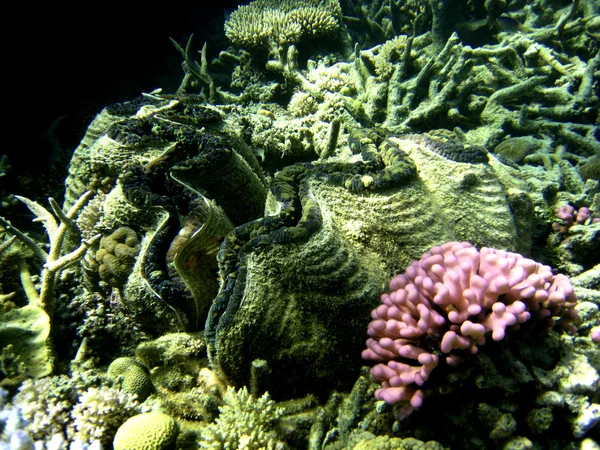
(570,216)
(454,298)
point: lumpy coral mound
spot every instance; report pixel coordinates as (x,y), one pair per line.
(456,296)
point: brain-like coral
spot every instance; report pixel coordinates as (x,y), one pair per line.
(132,377)
(116,255)
(264,22)
(451,300)
(148,431)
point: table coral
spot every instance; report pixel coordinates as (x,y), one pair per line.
(264,22)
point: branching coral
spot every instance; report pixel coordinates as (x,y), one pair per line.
(55,261)
(31,323)
(98,413)
(263,23)
(244,422)
(73,408)
(451,300)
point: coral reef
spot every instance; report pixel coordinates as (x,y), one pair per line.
(220,249)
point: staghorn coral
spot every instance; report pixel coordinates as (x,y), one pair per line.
(244,422)
(29,326)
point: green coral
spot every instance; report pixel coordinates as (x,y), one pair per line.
(244,422)
(148,431)
(263,23)
(590,169)
(370,442)
(116,255)
(131,376)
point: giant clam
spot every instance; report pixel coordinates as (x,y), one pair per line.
(186,181)
(299,283)
(300,267)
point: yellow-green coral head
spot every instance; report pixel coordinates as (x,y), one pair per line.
(131,376)
(148,431)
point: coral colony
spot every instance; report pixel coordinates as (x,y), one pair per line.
(220,256)
(457,297)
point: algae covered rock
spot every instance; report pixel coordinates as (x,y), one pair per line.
(27,329)
(148,431)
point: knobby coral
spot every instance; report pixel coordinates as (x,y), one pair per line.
(451,300)
(569,216)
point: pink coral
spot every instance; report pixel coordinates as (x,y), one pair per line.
(456,296)
(595,334)
(570,216)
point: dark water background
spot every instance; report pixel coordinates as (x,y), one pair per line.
(66,63)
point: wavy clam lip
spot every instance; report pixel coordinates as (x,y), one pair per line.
(182,183)
(318,262)
(314,261)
